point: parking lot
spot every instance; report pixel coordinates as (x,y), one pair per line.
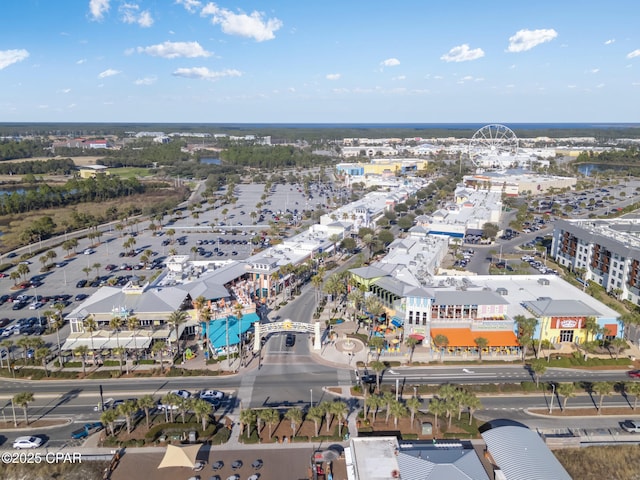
(220,232)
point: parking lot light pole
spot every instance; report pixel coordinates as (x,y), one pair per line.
(553,395)
(311,398)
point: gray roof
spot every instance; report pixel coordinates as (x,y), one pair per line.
(522,455)
(209,288)
(155,300)
(392,285)
(560,308)
(368,272)
(436,463)
(466,297)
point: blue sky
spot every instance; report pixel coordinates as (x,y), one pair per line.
(319,61)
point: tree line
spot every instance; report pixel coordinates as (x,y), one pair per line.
(74,191)
(59,166)
(279,156)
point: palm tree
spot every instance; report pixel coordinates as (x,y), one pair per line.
(237,310)
(176,319)
(120,353)
(538,367)
(202,410)
(633,389)
(109,418)
(413,404)
(82,351)
(127,409)
(294,415)
(56,323)
(247,418)
(437,407)
(526,330)
(566,391)
(481,343)
(42,354)
(184,404)
(316,413)
(132,324)
(473,403)
(412,342)
(24,343)
(603,389)
(374,402)
(158,348)
(198,304)
(398,410)
(171,400)
(271,417)
(23,400)
(442,342)
(147,403)
(8,346)
(340,411)
(96,266)
(388,398)
(90,325)
(115,324)
(377,367)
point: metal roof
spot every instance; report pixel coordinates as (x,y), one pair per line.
(434,463)
(465,297)
(560,308)
(522,455)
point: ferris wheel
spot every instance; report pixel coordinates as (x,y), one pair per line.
(493,146)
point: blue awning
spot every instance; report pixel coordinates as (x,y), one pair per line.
(396,322)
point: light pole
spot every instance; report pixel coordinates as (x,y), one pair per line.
(553,395)
(311,398)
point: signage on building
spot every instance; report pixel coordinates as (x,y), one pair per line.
(567,323)
(489,325)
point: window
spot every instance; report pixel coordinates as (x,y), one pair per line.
(424,318)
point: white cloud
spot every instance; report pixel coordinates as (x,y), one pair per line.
(130,13)
(251,26)
(175,50)
(525,40)
(110,72)
(594,70)
(205,73)
(333,76)
(189,5)
(462,53)
(600,85)
(572,86)
(65,90)
(97,9)
(9,57)
(81,61)
(610,41)
(635,53)
(400,77)
(390,62)
(146,80)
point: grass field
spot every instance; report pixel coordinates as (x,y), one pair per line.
(619,462)
(129,172)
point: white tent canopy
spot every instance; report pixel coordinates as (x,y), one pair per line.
(180,456)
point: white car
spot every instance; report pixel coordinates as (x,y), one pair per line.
(211,394)
(89,251)
(631,426)
(27,442)
(181,393)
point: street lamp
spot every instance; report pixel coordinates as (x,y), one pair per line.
(553,394)
(311,398)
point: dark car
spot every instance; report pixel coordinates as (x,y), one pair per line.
(81,283)
(81,296)
(366,377)
(290,341)
(87,430)
(4,322)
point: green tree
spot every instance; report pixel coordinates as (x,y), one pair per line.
(526,329)
(412,342)
(171,401)
(481,343)
(473,404)
(633,389)
(340,411)
(374,402)
(82,352)
(176,319)
(271,417)
(202,410)
(23,400)
(158,349)
(538,368)
(398,410)
(442,342)
(294,415)
(109,417)
(413,404)
(127,410)
(377,367)
(603,389)
(316,414)
(147,403)
(42,354)
(247,418)
(437,407)
(566,391)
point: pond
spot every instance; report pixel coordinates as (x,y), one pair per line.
(210,160)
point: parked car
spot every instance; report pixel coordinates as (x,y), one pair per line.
(81,283)
(631,426)
(27,442)
(87,430)
(206,394)
(181,393)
